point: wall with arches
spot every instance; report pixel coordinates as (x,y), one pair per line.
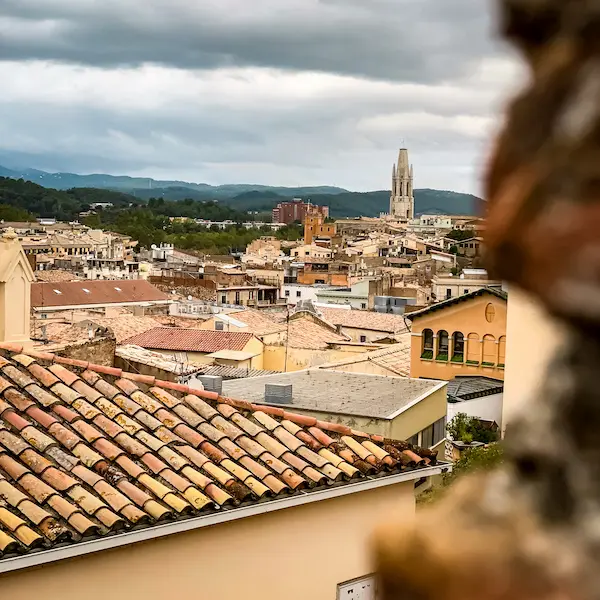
(465,337)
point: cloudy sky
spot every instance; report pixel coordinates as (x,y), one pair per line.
(280,92)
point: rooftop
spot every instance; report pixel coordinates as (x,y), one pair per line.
(190,340)
(56,275)
(313,389)
(85,293)
(362,319)
(155,359)
(95,454)
(468,388)
(395,357)
(257,322)
(122,327)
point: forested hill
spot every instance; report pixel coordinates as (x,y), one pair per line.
(67,204)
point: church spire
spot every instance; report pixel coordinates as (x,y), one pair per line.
(402,203)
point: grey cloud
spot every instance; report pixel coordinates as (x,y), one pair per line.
(409,40)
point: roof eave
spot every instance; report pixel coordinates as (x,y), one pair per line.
(45,557)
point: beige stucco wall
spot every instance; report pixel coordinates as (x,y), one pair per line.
(532,339)
(466,317)
(304,358)
(293,554)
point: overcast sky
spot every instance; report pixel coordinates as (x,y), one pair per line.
(279,92)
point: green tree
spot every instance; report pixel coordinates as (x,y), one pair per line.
(461,234)
(467,429)
(473,460)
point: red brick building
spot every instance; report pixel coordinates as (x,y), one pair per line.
(296,210)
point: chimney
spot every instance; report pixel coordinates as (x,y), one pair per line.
(278,393)
(16,276)
(212,383)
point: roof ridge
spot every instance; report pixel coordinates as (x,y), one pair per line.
(184,389)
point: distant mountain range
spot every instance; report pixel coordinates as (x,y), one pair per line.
(250,197)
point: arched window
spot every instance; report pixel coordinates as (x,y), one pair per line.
(473,349)
(427,351)
(442,345)
(458,347)
(490,350)
(502,350)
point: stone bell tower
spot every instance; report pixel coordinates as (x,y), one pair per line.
(402,201)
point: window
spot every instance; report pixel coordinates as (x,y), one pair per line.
(363,306)
(458,347)
(363,588)
(427,344)
(473,349)
(490,312)
(427,437)
(490,351)
(363,339)
(307,254)
(219,326)
(465,291)
(443,344)
(287,293)
(439,431)
(223,299)
(448,293)
(502,351)
(414,440)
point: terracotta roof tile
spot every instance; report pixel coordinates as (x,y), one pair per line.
(72,293)
(190,340)
(85,451)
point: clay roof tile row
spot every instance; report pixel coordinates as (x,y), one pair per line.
(86,451)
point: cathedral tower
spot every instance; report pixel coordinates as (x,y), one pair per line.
(402,201)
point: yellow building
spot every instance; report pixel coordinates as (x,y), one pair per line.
(461,336)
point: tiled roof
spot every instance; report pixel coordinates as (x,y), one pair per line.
(362,319)
(468,388)
(232,372)
(258,323)
(83,293)
(190,340)
(122,327)
(87,451)
(164,362)
(445,303)
(395,358)
(307,334)
(56,275)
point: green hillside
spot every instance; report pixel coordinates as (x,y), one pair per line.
(64,195)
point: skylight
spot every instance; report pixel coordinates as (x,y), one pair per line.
(118,289)
(86,290)
(57,292)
